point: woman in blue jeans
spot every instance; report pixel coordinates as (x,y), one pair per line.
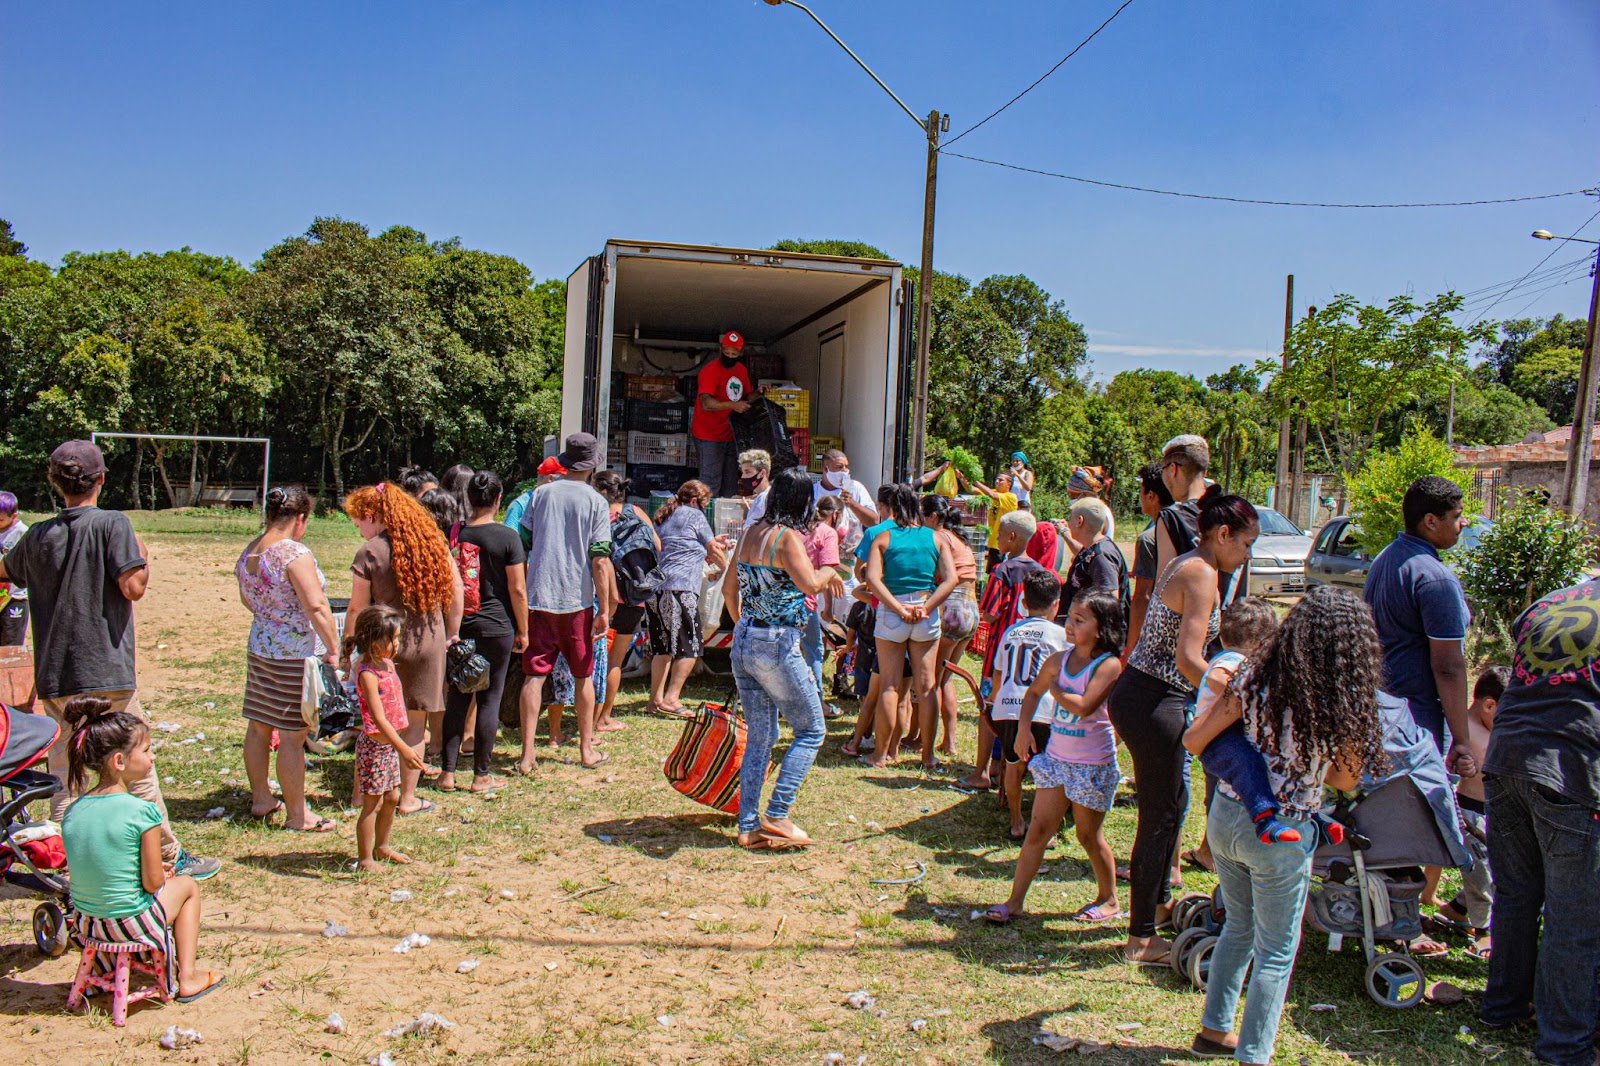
(1308,700)
(766,594)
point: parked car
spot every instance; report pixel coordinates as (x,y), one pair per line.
(1278,558)
(1337,557)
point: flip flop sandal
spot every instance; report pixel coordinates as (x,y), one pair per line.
(207,990)
(1094,914)
(494,783)
(428,807)
(1015,837)
(601,761)
(1423,948)
(1000,914)
(1192,857)
(279,806)
(757,842)
(323,825)
(1480,951)
(1163,961)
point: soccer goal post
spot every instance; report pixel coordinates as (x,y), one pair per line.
(265,442)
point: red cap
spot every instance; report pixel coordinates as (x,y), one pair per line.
(551,465)
(733,339)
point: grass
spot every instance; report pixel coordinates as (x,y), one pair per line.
(755,954)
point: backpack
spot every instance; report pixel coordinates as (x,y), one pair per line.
(633,556)
(466,558)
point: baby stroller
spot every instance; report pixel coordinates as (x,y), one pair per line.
(32,859)
(1371,884)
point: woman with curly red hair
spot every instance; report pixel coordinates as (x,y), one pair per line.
(405,564)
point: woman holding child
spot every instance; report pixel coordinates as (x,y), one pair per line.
(1147,706)
(281,584)
(405,564)
(1307,704)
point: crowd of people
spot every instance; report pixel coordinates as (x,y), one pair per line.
(1170,659)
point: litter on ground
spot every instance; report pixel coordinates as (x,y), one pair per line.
(423,1024)
(412,940)
(175,1038)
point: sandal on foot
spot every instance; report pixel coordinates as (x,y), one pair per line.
(265,815)
(1097,913)
(321,825)
(217,981)
(427,807)
(1000,914)
(1192,857)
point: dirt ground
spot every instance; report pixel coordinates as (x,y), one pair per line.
(612,921)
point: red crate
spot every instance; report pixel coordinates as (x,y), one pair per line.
(800,441)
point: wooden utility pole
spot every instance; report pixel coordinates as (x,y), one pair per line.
(1575,485)
(919,383)
(1281,491)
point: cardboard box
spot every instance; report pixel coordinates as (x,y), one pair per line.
(657,387)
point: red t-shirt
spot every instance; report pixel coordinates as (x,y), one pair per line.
(720,383)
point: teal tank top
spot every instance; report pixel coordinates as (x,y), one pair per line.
(911,560)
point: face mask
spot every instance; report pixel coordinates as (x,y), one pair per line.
(834,479)
(729,362)
(750,485)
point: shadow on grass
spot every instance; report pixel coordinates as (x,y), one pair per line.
(1011,1041)
(314,865)
(661,836)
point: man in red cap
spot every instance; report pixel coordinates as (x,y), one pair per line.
(722,387)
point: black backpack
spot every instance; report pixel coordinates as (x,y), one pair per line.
(633,557)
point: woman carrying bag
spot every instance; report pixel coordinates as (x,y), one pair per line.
(281,584)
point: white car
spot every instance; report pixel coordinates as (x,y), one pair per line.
(1278,557)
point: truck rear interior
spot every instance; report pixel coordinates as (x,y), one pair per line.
(827,330)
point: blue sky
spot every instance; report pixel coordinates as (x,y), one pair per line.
(539,129)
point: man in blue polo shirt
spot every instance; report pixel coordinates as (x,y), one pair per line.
(1422,617)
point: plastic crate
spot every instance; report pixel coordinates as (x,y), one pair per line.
(666,449)
(817,446)
(656,477)
(796,404)
(800,441)
(658,416)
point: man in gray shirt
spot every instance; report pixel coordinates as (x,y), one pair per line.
(571,591)
(83,569)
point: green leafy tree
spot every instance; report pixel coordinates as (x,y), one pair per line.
(1486,412)
(1549,378)
(1532,551)
(9,245)
(1377,491)
(848,249)
(1350,365)
(351,333)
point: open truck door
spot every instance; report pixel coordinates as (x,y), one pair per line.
(581,403)
(902,428)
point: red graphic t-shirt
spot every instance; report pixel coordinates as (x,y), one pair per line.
(721,383)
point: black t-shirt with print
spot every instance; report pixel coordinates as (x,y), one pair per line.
(498,548)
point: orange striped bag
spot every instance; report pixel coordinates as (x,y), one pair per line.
(704,764)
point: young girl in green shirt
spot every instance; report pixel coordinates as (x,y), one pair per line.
(121,890)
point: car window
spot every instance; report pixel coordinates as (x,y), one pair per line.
(1346,547)
(1325,540)
(1274,524)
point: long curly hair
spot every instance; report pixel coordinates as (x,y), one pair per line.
(421,557)
(1319,674)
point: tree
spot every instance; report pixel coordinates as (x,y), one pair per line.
(849,249)
(1234,430)
(1379,488)
(1531,552)
(351,335)
(1054,347)
(1549,378)
(1523,340)
(9,245)
(1350,365)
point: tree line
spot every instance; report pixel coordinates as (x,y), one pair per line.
(358,353)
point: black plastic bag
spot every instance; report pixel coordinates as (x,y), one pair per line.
(465,668)
(763,426)
(337,710)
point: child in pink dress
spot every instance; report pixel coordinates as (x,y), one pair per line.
(379,752)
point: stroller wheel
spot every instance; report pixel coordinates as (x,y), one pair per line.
(1395,980)
(1199,966)
(1183,947)
(50,929)
(1184,908)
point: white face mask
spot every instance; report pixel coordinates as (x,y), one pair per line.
(832,479)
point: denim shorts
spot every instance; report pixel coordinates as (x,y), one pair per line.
(892,628)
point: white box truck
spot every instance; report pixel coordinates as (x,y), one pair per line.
(837,327)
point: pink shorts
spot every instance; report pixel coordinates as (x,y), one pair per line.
(569,635)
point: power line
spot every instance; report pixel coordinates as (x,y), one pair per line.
(1557,247)
(1267,203)
(1041,77)
(1548,288)
(1488,292)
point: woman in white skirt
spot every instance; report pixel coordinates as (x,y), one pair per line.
(280,582)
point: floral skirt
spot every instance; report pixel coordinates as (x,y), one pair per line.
(1094,787)
(377,766)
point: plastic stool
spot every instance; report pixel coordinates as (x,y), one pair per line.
(128,959)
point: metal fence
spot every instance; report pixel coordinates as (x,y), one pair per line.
(1487,488)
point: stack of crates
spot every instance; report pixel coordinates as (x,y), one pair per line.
(800,441)
(796,404)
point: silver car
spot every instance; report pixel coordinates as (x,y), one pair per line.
(1337,557)
(1278,558)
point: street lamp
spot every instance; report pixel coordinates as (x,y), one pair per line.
(1575,485)
(931,128)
